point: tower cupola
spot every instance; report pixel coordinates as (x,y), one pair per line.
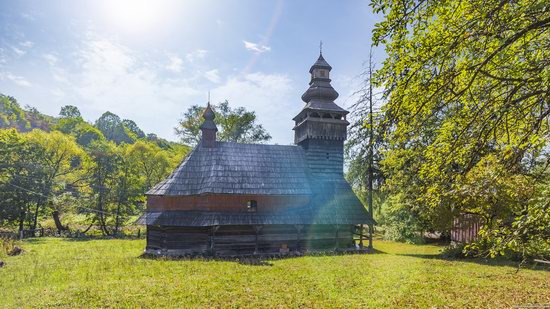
(321,126)
(319,85)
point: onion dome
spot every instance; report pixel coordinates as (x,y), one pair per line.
(319,86)
(208,117)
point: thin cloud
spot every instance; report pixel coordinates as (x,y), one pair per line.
(16,79)
(19,52)
(175,65)
(27,44)
(256,47)
(196,55)
(51,59)
(213,76)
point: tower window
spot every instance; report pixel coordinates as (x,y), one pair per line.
(322,73)
(252,206)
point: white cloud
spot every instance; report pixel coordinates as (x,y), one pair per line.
(19,52)
(256,47)
(27,44)
(213,76)
(175,65)
(18,80)
(51,59)
(271,96)
(112,77)
(58,92)
(196,55)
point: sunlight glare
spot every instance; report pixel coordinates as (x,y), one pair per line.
(138,15)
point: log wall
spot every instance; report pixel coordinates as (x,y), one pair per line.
(247,239)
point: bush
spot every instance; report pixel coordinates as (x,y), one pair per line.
(399,223)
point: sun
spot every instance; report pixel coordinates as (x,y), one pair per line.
(137,15)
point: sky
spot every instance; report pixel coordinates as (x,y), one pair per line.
(150,60)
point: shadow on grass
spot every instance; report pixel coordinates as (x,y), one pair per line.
(252,260)
(496,262)
(37,240)
(82,239)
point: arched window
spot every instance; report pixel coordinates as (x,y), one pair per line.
(252,206)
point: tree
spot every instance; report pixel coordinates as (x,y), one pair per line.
(69,111)
(103,176)
(364,139)
(72,123)
(113,129)
(20,177)
(61,161)
(465,81)
(131,126)
(234,125)
(149,161)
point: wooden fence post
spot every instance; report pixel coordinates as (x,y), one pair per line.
(361,237)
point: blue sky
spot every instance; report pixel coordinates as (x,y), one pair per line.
(150,60)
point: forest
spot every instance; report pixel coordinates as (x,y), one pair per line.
(68,175)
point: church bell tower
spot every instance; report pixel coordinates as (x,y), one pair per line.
(321,126)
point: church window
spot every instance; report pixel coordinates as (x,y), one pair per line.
(322,73)
(252,206)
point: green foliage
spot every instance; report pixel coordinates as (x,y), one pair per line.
(467,118)
(113,128)
(70,111)
(131,126)
(234,125)
(398,222)
(78,171)
(13,116)
(21,174)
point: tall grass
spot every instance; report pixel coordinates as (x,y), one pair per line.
(6,245)
(83,273)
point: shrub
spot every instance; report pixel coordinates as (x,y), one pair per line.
(399,223)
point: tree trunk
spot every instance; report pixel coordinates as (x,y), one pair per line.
(371,152)
(57,221)
(21,221)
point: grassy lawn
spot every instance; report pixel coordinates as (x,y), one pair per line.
(107,273)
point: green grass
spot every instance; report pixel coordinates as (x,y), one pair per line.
(108,273)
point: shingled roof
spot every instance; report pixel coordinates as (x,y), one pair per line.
(234,168)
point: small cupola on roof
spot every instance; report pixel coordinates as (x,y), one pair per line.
(208,128)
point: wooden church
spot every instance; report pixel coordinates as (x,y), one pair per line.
(233,199)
